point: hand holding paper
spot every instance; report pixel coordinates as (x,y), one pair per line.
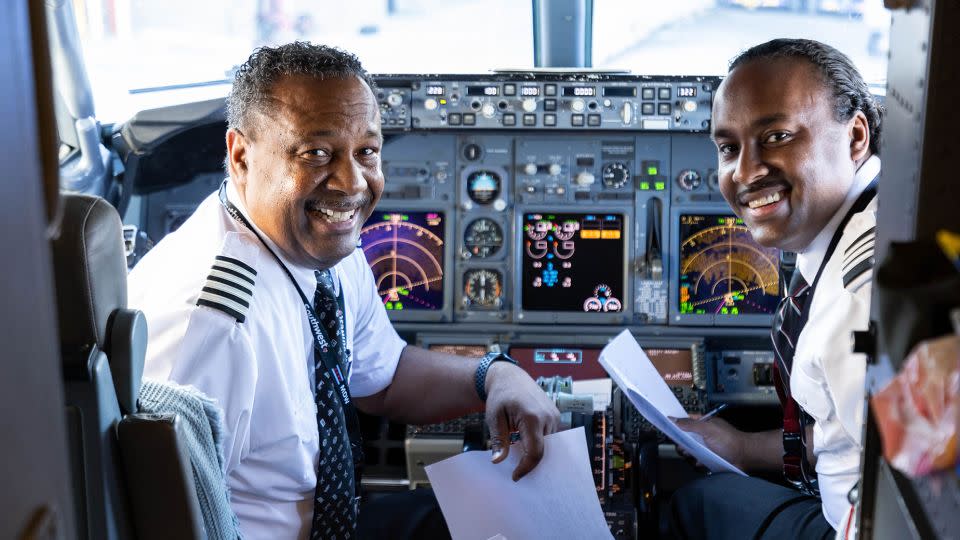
(629,367)
(557,499)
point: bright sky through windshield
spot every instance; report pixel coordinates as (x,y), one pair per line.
(136,50)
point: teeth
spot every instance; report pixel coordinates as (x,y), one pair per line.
(336,217)
(769,199)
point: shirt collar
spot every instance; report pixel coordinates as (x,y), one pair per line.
(810,259)
(305,276)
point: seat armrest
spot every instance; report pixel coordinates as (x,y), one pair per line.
(159,477)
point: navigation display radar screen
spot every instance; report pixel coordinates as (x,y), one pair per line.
(723,271)
(573,262)
(405,252)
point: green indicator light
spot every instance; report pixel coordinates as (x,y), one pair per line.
(660,186)
(651,171)
(644,185)
(735,311)
(725,311)
(399,306)
(389,306)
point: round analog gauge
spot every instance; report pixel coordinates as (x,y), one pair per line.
(483,186)
(615,175)
(483,238)
(689,180)
(482,287)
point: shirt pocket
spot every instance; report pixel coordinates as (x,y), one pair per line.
(811,393)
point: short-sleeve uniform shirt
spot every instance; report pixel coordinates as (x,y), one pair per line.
(256,361)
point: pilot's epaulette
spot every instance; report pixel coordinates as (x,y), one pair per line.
(229,287)
(858,257)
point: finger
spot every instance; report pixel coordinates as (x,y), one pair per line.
(531,440)
(499,426)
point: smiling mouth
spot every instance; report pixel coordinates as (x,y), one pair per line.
(332,216)
(764,201)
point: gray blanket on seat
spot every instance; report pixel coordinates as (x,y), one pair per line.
(204,437)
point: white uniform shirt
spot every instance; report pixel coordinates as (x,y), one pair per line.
(827,379)
(261,370)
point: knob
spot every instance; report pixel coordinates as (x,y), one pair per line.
(690,106)
(626,114)
(689,179)
(529,105)
(577,105)
(499,205)
(488,110)
(394,100)
(554,169)
(472,152)
(530,169)
(429,104)
(584,178)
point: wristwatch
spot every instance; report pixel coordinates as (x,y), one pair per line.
(480,377)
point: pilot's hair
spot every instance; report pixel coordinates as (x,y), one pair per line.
(850,92)
(254,79)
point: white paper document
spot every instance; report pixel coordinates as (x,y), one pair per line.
(640,381)
(557,499)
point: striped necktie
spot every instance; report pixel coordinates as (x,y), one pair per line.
(787,325)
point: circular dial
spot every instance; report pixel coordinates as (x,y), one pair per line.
(483,186)
(482,287)
(483,238)
(723,271)
(689,180)
(615,175)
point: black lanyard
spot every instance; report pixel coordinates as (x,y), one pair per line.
(328,355)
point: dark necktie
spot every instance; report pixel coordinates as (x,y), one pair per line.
(787,325)
(335,512)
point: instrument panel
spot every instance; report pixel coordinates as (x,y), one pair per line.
(544,209)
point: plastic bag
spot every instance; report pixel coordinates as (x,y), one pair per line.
(919,410)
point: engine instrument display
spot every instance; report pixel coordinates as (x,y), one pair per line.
(723,271)
(405,252)
(573,262)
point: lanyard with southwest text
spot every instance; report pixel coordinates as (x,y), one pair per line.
(328,355)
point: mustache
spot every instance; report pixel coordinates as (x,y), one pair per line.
(338,204)
(761,185)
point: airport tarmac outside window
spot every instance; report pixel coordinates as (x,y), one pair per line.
(142,54)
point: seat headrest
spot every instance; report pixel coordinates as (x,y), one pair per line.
(90,269)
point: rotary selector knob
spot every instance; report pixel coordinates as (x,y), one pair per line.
(689,180)
(530,169)
(394,100)
(429,104)
(713,180)
(577,105)
(488,110)
(585,178)
(529,105)
(554,169)
(615,175)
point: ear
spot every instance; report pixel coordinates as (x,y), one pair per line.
(858,129)
(237,156)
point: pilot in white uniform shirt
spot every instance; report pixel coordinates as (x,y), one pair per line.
(826,379)
(257,362)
